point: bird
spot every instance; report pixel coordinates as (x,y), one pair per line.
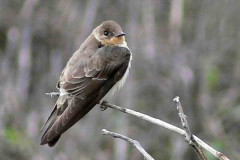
(96,70)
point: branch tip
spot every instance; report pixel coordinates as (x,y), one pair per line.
(135,143)
(51,94)
(176,99)
(104,131)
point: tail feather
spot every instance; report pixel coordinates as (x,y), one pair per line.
(53,113)
(59,107)
(44,140)
(53,141)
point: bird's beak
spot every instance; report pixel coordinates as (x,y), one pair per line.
(120,34)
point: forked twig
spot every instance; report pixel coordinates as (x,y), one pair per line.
(188,134)
(166,125)
(135,143)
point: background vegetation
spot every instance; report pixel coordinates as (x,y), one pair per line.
(188,48)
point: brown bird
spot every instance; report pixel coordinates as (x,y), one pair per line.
(98,67)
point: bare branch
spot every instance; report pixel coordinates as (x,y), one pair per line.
(135,143)
(166,125)
(188,134)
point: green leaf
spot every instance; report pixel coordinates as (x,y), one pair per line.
(213,77)
(13,135)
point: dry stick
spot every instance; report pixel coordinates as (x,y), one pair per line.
(188,134)
(166,125)
(51,94)
(135,143)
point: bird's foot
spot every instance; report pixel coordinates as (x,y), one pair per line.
(103,106)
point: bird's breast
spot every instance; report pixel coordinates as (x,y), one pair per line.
(119,83)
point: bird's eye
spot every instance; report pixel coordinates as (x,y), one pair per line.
(106,33)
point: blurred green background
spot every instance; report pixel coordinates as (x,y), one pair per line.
(188,48)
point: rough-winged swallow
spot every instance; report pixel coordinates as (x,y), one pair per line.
(98,67)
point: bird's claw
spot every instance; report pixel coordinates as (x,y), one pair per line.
(103,106)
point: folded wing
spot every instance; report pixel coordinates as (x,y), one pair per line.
(84,82)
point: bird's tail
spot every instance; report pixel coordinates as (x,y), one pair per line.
(49,123)
(53,141)
(59,107)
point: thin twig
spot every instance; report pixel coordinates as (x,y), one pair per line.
(166,125)
(188,134)
(135,143)
(53,94)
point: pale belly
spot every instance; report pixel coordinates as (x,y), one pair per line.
(119,84)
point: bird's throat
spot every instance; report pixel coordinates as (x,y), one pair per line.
(114,41)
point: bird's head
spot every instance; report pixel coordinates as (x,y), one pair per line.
(109,33)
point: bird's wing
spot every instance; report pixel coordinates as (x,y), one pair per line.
(84,83)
